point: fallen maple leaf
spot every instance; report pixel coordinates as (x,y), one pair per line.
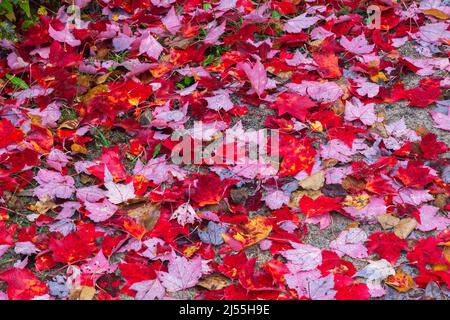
(148,290)
(100,211)
(328,65)
(375,272)
(182,274)
(303,257)
(357,45)
(387,245)
(119,193)
(150,46)
(316,207)
(430,220)
(293,104)
(297,24)
(185,214)
(257,76)
(23,284)
(350,242)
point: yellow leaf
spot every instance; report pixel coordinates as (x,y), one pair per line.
(35,119)
(440,267)
(42,11)
(250,233)
(436,13)
(358,201)
(401,281)
(316,126)
(93,92)
(190,250)
(77,148)
(447,253)
(379,76)
(42,207)
(103,78)
(69,124)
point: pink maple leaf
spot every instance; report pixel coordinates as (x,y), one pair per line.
(356,110)
(215,33)
(119,193)
(90,194)
(256,74)
(53,184)
(373,209)
(441,120)
(101,211)
(98,265)
(311,285)
(276,199)
(303,257)
(64,36)
(171,21)
(357,45)
(185,214)
(57,159)
(429,220)
(350,242)
(150,46)
(297,24)
(148,290)
(182,274)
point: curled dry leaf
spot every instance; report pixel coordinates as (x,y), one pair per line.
(146,214)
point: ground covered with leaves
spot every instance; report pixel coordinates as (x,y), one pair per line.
(351,204)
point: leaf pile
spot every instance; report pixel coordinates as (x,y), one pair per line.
(92,105)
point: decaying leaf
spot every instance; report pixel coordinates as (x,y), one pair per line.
(146,214)
(313,182)
(388,221)
(405,227)
(82,293)
(214,282)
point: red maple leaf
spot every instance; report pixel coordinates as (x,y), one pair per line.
(298,155)
(23,284)
(76,246)
(321,205)
(8,133)
(414,176)
(387,245)
(328,65)
(431,147)
(349,289)
(293,104)
(208,188)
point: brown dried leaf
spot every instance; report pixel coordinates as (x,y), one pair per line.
(42,207)
(82,293)
(388,221)
(313,182)
(440,201)
(214,282)
(146,214)
(350,183)
(69,124)
(405,227)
